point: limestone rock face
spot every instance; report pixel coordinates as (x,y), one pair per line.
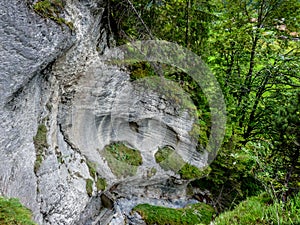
(60,79)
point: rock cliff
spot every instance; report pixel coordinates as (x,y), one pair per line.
(61,104)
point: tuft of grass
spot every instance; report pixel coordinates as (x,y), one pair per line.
(123,161)
(52,9)
(262,210)
(192,214)
(40,143)
(89,187)
(12,212)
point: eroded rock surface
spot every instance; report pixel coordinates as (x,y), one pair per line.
(52,76)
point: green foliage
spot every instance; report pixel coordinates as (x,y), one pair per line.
(52,9)
(89,187)
(122,160)
(261,210)
(40,143)
(192,214)
(13,213)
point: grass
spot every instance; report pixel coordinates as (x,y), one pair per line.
(168,159)
(192,214)
(40,143)
(261,210)
(123,161)
(52,9)
(13,213)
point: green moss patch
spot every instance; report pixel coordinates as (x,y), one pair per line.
(52,9)
(40,143)
(89,187)
(92,168)
(122,160)
(13,213)
(101,184)
(192,214)
(168,159)
(189,172)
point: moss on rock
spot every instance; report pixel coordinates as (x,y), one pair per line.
(89,187)
(40,143)
(122,160)
(168,159)
(52,9)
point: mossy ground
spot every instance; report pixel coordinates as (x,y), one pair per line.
(192,214)
(40,143)
(168,159)
(13,213)
(122,160)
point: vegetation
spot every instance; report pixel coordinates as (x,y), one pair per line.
(89,187)
(13,213)
(100,182)
(52,9)
(253,49)
(122,160)
(192,214)
(261,210)
(169,159)
(40,143)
